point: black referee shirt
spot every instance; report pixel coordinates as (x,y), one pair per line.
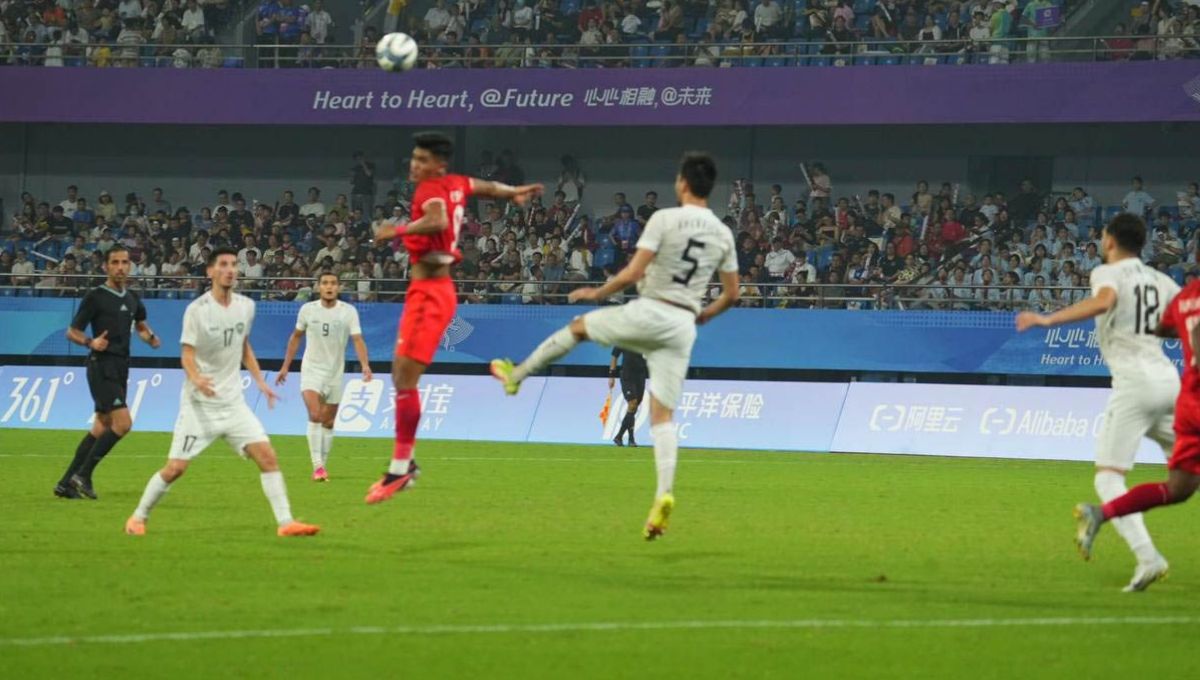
(633,365)
(104,309)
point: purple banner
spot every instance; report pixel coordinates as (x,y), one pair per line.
(857,95)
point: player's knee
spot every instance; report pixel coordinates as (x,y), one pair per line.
(314,415)
(578,329)
(327,423)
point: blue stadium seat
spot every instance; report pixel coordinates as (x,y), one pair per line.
(1111,212)
(639,54)
(752,62)
(776,62)
(570,7)
(660,54)
(233,62)
(864,60)
(25,292)
(889,60)
(146,62)
(6,292)
(818,61)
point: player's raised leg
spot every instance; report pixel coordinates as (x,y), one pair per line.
(553,348)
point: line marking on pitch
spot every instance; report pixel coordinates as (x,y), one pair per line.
(612,626)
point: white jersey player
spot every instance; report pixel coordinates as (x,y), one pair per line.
(215,344)
(676,258)
(1128,299)
(326,325)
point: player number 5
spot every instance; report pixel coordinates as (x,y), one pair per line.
(689,258)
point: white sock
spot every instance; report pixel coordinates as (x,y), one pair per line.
(316,444)
(155,489)
(552,349)
(276,492)
(399,466)
(1110,485)
(666,452)
(326,444)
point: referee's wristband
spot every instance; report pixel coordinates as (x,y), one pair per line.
(612,374)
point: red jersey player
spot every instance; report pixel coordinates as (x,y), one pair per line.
(1181,320)
(431,239)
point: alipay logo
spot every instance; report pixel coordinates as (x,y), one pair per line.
(360,405)
(456,332)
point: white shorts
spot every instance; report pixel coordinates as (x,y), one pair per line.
(662,333)
(1137,409)
(199,425)
(329,387)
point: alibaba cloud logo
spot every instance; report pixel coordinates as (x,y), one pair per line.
(998,421)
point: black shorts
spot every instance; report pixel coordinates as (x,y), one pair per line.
(108,378)
(633,389)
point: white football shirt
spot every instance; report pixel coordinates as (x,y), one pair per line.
(218,333)
(1126,332)
(689,244)
(326,331)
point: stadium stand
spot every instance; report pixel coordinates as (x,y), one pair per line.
(589,34)
(936,248)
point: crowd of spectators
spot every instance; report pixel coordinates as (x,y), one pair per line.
(106,33)
(575,33)
(938,247)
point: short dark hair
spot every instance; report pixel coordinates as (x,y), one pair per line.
(699,172)
(325,273)
(218,252)
(436,143)
(1129,231)
(116,248)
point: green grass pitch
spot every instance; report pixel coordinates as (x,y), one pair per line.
(527,561)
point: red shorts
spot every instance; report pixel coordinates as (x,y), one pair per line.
(428,310)
(1186,455)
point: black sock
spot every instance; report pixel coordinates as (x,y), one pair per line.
(101,448)
(628,424)
(81,455)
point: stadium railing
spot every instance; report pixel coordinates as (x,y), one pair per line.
(634,54)
(911,295)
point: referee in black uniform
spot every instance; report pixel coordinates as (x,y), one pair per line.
(633,385)
(112,311)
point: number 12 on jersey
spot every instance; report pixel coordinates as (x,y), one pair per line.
(1146,315)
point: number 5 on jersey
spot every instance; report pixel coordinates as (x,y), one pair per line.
(690,259)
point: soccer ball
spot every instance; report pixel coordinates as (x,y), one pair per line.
(396,52)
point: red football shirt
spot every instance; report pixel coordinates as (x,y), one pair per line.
(442,247)
(1182,315)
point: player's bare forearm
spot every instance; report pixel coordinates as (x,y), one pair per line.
(360,348)
(1194,335)
(518,194)
(293,346)
(1080,311)
(730,292)
(251,363)
(187,359)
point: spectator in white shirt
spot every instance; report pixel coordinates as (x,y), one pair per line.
(314,205)
(436,19)
(319,23)
(129,9)
(630,24)
(768,19)
(1137,201)
(579,265)
(251,270)
(244,253)
(778,261)
(1080,202)
(71,203)
(193,19)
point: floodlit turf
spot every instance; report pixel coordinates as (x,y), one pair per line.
(504,556)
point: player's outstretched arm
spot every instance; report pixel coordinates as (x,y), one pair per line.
(147,335)
(251,363)
(433,221)
(518,194)
(730,291)
(1085,309)
(631,274)
(293,345)
(364,359)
